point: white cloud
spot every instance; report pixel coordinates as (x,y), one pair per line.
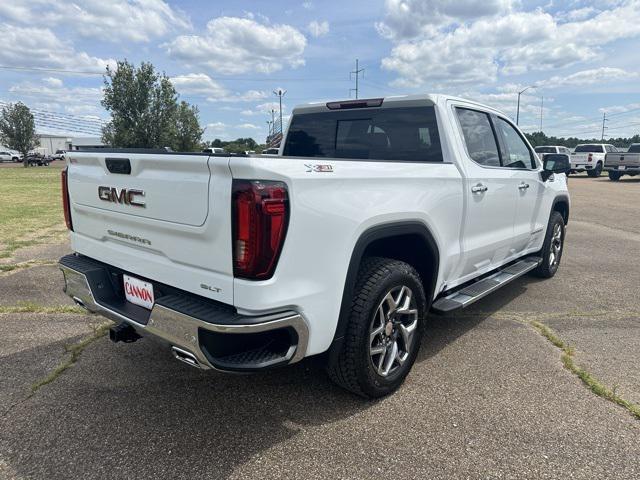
(318,29)
(265,109)
(410,18)
(53,93)
(589,77)
(39,47)
(203,85)
(248,126)
(307,5)
(199,84)
(511,43)
(113,20)
(233,45)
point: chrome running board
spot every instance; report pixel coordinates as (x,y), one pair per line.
(469,294)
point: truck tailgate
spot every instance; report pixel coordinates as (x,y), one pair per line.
(164,217)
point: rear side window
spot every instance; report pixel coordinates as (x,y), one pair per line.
(401,134)
(634,148)
(479,137)
(589,148)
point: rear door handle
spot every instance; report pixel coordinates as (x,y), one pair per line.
(523,186)
(479,188)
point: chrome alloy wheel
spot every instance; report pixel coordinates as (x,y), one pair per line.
(556,245)
(392,329)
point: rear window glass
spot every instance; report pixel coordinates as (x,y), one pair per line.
(403,134)
(545,149)
(635,148)
(589,148)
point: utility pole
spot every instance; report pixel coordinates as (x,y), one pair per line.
(541,110)
(356,72)
(604,121)
(280,93)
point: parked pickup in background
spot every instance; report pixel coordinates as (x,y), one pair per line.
(375,212)
(623,163)
(543,150)
(589,157)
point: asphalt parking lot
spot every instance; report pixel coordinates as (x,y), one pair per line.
(490,395)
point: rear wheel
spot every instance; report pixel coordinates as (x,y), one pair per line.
(614,176)
(385,329)
(596,172)
(552,247)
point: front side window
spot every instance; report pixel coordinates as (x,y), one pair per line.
(479,137)
(517,153)
(392,134)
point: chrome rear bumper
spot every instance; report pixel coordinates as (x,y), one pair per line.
(189,334)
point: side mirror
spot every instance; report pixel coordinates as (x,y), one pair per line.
(555,163)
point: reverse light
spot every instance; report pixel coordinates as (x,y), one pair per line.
(65,198)
(260,220)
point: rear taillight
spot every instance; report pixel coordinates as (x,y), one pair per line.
(65,199)
(590,158)
(260,219)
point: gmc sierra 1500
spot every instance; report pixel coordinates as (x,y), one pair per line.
(374,213)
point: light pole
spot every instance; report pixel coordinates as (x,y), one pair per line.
(280,93)
(518,110)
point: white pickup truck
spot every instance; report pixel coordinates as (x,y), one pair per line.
(589,157)
(374,213)
(623,163)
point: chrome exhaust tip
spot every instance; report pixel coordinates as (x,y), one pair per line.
(186,357)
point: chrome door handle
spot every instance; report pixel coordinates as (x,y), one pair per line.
(479,188)
(523,186)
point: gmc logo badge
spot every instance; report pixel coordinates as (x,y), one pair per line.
(121,195)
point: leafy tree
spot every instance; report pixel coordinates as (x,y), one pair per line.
(145,112)
(18,129)
(540,138)
(239,145)
(188,132)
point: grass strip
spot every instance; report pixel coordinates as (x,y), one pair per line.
(28,307)
(589,380)
(74,351)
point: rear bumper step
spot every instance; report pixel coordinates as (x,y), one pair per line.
(202,333)
(469,294)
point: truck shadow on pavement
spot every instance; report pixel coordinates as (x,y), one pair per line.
(132,411)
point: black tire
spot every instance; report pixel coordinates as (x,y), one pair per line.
(596,172)
(614,176)
(352,365)
(549,265)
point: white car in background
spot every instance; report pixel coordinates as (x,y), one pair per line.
(6,156)
(589,157)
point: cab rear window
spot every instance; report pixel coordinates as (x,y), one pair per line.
(392,134)
(589,148)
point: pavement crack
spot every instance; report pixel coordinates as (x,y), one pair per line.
(587,378)
(74,352)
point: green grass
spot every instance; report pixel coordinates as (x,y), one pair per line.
(30,206)
(28,307)
(74,352)
(589,380)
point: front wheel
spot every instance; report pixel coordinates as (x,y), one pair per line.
(385,329)
(552,247)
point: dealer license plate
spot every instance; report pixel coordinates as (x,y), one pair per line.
(138,291)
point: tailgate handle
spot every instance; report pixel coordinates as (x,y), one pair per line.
(118,165)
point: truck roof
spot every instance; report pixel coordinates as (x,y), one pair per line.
(415,100)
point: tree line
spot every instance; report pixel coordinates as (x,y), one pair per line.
(540,138)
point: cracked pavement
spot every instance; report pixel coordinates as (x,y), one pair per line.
(487,398)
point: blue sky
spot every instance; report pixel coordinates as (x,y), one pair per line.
(228,56)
